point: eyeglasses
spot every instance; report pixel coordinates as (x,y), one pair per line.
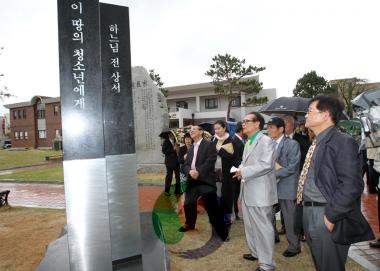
(246,121)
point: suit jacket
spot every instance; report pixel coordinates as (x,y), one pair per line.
(181,153)
(205,165)
(338,177)
(304,143)
(228,159)
(288,156)
(171,158)
(258,186)
(239,149)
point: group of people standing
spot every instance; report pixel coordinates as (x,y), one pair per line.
(284,168)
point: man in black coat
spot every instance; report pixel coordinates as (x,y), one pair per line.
(199,167)
(303,140)
(332,188)
(169,149)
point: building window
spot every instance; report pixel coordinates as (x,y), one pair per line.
(19,114)
(24,114)
(14,114)
(41,114)
(181,104)
(236,102)
(57,133)
(56,110)
(21,135)
(41,133)
(16,135)
(211,103)
(25,134)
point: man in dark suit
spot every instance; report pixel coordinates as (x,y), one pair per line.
(303,140)
(169,149)
(330,186)
(287,173)
(199,167)
(238,143)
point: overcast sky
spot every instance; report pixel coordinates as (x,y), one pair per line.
(178,38)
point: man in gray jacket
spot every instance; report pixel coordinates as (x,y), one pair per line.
(287,173)
(258,192)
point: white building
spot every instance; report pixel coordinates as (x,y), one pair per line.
(197,103)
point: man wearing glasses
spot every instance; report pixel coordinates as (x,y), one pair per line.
(258,192)
(199,167)
(330,187)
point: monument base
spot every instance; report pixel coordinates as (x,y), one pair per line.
(155,255)
(151,168)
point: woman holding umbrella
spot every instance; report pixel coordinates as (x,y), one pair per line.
(170,149)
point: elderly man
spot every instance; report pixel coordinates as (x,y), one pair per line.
(330,187)
(199,167)
(258,192)
(287,173)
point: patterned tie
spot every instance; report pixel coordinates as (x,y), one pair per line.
(304,171)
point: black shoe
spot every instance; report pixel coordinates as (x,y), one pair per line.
(303,238)
(227,239)
(277,240)
(375,244)
(178,193)
(249,257)
(288,253)
(185,228)
(237,217)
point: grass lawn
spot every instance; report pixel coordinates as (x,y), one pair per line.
(24,235)
(55,175)
(16,158)
(51,175)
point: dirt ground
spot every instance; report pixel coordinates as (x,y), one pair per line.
(25,234)
(198,251)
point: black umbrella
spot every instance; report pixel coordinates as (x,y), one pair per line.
(165,134)
(367,99)
(286,105)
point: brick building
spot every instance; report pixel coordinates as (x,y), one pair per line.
(36,123)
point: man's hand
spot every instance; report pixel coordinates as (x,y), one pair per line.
(329,225)
(194,174)
(237,174)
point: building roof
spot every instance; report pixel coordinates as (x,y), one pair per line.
(44,99)
(199,86)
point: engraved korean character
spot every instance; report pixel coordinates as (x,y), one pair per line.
(138,84)
(114,28)
(79,66)
(79,89)
(116,86)
(115,76)
(79,103)
(78,24)
(76,6)
(79,54)
(78,36)
(79,77)
(144,83)
(115,62)
(113,38)
(114,47)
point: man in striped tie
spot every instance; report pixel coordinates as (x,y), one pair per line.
(330,187)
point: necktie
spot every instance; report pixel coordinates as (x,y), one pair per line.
(304,172)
